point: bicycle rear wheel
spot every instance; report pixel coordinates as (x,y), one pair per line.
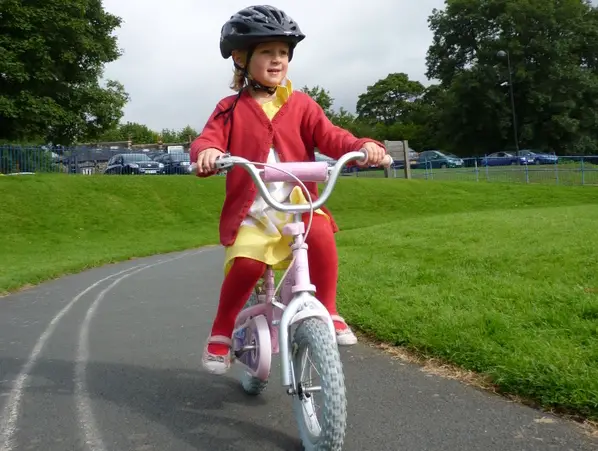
(259,358)
(314,351)
(252,385)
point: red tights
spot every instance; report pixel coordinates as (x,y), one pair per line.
(245,273)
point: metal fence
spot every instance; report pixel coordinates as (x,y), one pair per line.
(564,170)
(87,160)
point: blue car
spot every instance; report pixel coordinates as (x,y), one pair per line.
(538,157)
(502,159)
(435,159)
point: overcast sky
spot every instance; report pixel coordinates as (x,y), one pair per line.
(173,71)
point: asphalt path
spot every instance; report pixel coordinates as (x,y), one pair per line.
(109,360)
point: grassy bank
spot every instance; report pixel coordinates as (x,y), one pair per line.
(499,279)
(56,224)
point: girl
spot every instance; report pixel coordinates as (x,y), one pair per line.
(268,122)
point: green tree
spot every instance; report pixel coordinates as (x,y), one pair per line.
(553,50)
(169,135)
(52,55)
(142,134)
(427,119)
(139,133)
(344,119)
(389,100)
(187,133)
(322,97)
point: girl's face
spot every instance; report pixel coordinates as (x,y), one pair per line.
(269,63)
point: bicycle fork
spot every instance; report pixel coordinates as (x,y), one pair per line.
(302,306)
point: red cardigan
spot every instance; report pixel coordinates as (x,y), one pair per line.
(296,130)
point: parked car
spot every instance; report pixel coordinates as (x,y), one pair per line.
(502,159)
(436,159)
(153,154)
(400,164)
(133,163)
(538,157)
(174,163)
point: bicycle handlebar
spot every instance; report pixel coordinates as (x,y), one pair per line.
(304,171)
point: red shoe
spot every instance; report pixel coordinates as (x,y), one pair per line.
(217,363)
(344,334)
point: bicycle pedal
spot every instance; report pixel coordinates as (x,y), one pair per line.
(238,353)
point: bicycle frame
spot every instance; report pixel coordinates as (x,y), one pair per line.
(297,303)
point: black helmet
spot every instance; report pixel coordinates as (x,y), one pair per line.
(256,24)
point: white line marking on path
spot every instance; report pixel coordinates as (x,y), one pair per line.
(92,435)
(10,413)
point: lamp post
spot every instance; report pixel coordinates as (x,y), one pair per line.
(503,54)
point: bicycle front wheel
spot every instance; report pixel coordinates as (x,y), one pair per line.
(320,408)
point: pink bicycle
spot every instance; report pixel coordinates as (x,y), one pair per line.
(294,323)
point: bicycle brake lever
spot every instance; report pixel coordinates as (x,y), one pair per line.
(221,166)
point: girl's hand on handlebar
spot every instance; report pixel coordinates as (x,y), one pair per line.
(206,160)
(376,154)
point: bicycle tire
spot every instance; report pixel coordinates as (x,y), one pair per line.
(252,385)
(314,334)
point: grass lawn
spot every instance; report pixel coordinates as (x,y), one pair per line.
(509,293)
(497,278)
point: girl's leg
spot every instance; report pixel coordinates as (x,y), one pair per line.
(323,270)
(236,289)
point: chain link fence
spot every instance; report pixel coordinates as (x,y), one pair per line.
(564,170)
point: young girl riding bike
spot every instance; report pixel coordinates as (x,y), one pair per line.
(268,122)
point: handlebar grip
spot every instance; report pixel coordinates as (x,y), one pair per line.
(387,162)
(219,165)
(304,171)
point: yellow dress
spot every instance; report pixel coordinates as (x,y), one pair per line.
(260,234)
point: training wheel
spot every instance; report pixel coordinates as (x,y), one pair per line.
(257,361)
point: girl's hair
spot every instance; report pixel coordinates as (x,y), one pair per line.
(239,81)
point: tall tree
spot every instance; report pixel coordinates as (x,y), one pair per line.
(553,52)
(52,55)
(389,100)
(188,133)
